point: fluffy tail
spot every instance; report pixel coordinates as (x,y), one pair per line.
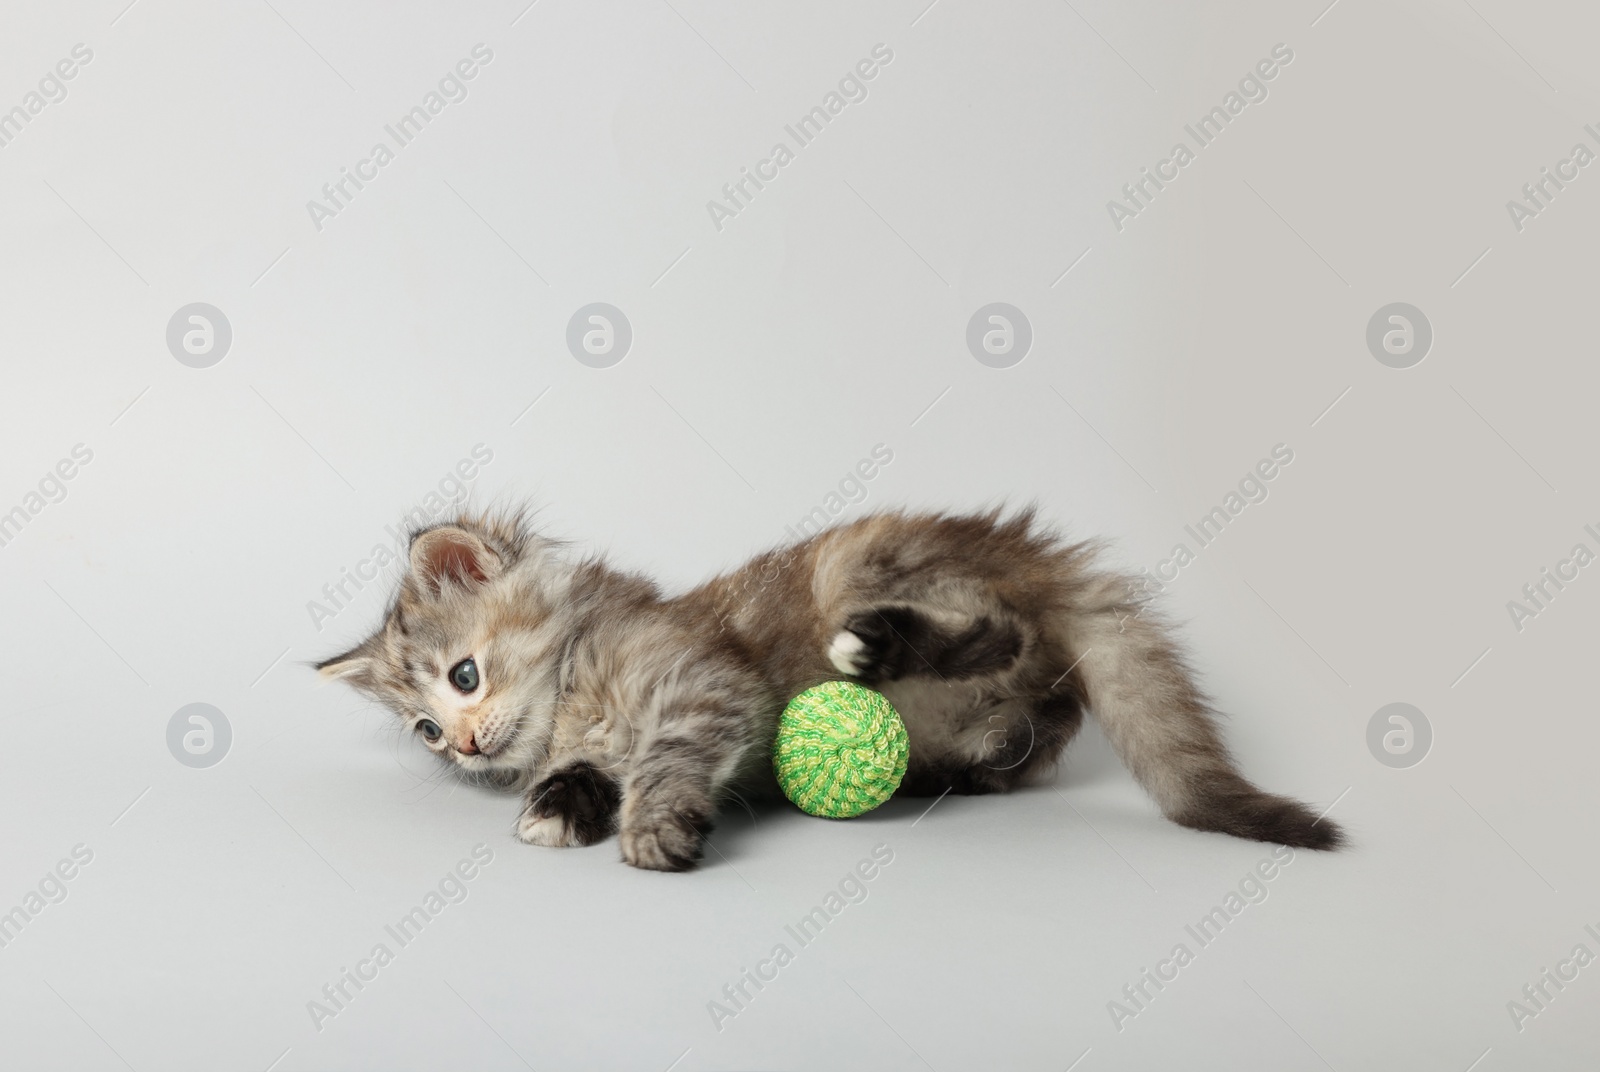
(1162,726)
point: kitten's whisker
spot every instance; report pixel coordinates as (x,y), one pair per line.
(734,793)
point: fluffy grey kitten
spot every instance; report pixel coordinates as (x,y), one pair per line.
(616,709)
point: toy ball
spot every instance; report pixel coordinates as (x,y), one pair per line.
(841,750)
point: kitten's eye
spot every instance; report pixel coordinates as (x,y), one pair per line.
(430,729)
(464,675)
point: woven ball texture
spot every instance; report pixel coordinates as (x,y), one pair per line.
(841,750)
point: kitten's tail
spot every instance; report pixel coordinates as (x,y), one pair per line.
(1162,726)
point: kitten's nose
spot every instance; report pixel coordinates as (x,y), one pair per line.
(469,747)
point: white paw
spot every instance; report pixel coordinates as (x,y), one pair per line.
(551,831)
(847,653)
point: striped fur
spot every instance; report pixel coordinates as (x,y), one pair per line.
(614,708)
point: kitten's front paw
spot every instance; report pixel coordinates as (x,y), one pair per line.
(576,805)
(667,841)
(546,830)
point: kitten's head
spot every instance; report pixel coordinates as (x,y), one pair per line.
(469,653)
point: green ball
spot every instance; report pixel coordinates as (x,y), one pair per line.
(841,750)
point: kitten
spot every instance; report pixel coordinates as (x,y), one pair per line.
(616,709)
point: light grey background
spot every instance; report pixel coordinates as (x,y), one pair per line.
(767,359)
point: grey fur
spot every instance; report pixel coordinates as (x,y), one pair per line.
(613,707)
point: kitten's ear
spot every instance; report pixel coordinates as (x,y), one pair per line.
(454,555)
(354,667)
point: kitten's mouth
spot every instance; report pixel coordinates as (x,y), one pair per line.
(502,745)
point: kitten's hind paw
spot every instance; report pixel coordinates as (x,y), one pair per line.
(875,644)
(849,654)
(886,643)
(576,805)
